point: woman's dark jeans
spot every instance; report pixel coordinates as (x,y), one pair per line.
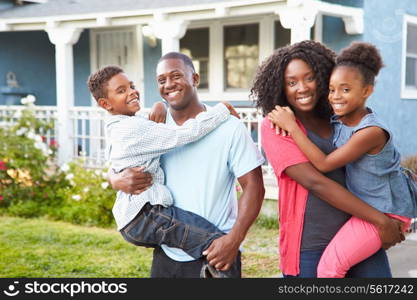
(376,266)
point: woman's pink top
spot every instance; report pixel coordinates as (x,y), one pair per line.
(282,152)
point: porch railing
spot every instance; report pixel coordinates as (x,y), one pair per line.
(89,139)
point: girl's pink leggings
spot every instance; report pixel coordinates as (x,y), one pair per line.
(354,242)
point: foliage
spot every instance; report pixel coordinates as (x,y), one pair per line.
(26,165)
(88,199)
(32,185)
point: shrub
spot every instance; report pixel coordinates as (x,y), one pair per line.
(88,199)
(32,185)
(27,172)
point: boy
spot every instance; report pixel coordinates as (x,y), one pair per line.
(137,141)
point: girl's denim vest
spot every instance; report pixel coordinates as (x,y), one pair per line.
(378,179)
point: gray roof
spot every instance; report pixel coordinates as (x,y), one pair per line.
(75,7)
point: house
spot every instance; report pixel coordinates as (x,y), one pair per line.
(49,47)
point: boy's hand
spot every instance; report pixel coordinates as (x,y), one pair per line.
(283,119)
(158,112)
(131,180)
(232,110)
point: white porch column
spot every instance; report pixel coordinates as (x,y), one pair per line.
(170,32)
(64,39)
(299,16)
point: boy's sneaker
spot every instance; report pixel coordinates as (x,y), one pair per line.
(208,271)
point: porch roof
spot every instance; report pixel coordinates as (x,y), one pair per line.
(77,7)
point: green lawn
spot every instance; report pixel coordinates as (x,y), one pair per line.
(43,248)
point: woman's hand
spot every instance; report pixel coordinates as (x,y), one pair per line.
(232,110)
(158,112)
(391,232)
(131,180)
(283,119)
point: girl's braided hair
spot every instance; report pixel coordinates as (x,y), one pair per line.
(269,85)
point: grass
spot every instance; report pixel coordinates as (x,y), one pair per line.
(43,248)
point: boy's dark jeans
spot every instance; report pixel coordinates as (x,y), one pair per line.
(156,225)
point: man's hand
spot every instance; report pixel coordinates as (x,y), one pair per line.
(158,112)
(131,180)
(222,252)
(391,232)
(232,110)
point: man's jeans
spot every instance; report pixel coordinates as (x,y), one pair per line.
(156,225)
(375,266)
(165,267)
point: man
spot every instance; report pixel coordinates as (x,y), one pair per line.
(201,176)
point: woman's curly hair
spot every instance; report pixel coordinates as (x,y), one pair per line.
(363,56)
(269,86)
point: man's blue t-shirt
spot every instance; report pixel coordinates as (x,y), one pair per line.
(202,175)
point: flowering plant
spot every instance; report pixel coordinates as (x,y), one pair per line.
(25,160)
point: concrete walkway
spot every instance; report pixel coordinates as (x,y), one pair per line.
(403,257)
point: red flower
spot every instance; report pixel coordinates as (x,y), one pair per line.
(53,143)
(1,198)
(43,138)
(3,166)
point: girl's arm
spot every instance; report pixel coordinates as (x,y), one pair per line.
(367,140)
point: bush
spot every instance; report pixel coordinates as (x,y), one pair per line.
(88,199)
(27,172)
(32,185)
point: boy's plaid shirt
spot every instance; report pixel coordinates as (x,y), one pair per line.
(135,141)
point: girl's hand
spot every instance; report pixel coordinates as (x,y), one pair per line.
(232,110)
(158,112)
(283,119)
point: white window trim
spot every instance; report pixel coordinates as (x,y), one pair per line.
(216,91)
(406,92)
(138,77)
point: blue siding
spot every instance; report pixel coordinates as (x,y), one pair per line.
(150,60)
(82,70)
(383,28)
(31,57)
(35,66)
(334,33)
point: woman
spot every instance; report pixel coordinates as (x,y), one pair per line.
(312,206)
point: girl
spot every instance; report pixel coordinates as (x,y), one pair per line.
(365,145)
(312,206)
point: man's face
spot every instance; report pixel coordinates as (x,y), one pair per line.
(176,82)
(122,97)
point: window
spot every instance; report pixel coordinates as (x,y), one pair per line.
(195,44)
(411,57)
(241,55)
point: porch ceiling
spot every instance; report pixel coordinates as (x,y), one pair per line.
(98,13)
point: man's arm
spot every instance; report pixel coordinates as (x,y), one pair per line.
(130,181)
(223,251)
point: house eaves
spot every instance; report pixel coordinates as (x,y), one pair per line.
(96,13)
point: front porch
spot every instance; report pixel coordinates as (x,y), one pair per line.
(86,137)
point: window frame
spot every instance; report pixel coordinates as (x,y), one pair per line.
(407,92)
(217,90)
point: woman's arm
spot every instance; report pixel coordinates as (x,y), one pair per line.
(339,197)
(367,140)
